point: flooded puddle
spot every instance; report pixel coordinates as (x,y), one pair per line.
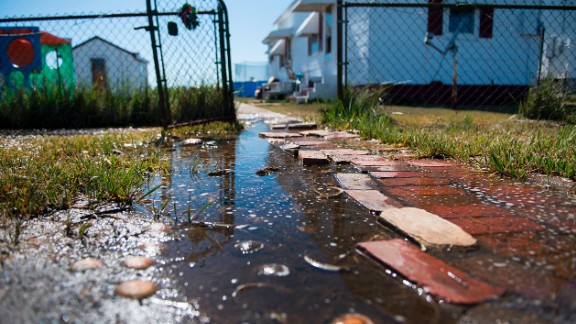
(287,252)
(273,241)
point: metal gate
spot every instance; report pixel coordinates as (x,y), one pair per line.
(191,48)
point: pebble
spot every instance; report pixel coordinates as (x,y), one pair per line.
(352,318)
(86,264)
(138,262)
(136,289)
(159,228)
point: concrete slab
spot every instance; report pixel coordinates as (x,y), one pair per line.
(428,229)
(434,275)
(373,200)
(312,157)
(354,181)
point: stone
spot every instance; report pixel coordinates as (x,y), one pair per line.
(136,289)
(352,318)
(159,228)
(428,229)
(433,275)
(312,157)
(86,264)
(354,181)
(192,141)
(373,200)
(138,262)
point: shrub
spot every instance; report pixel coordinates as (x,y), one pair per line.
(546,101)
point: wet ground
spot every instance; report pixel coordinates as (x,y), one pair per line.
(259,238)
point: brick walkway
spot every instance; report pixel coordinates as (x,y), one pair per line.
(523,235)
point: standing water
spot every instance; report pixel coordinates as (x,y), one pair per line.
(286,253)
(262,238)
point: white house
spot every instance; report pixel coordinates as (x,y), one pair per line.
(303,46)
(422,51)
(101,64)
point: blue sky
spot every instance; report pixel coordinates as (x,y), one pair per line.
(250,20)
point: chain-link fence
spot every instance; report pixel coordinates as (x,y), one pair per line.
(457,53)
(112,53)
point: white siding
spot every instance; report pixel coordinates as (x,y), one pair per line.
(123,70)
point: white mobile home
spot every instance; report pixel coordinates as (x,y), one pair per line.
(422,51)
(101,64)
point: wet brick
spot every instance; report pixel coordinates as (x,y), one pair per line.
(373,200)
(433,275)
(491,225)
(312,157)
(414,181)
(468,210)
(395,174)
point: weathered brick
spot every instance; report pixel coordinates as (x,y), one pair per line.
(431,274)
(312,157)
(373,200)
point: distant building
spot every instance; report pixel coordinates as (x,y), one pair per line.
(412,52)
(103,65)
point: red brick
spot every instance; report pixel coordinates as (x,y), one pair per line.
(468,210)
(426,191)
(395,174)
(433,275)
(414,181)
(331,152)
(279,134)
(491,225)
(373,200)
(311,157)
(431,163)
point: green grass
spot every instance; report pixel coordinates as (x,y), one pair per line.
(54,108)
(501,143)
(42,173)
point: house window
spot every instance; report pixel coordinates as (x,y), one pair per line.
(99,78)
(287,57)
(313,44)
(461,20)
(486,22)
(328,19)
(435,18)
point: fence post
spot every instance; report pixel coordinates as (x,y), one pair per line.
(162,98)
(339,58)
(225,60)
